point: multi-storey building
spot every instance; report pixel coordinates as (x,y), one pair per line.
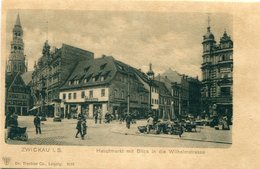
(160,100)
(185,93)
(52,71)
(103,83)
(217,70)
(17,91)
(165,104)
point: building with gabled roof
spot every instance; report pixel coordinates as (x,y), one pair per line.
(185,91)
(52,71)
(17,94)
(103,84)
(165,106)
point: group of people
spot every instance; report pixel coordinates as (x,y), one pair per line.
(81,127)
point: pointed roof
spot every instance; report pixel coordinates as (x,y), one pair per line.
(171,75)
(18,22)
(27,77)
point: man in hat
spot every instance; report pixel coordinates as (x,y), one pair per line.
(37,124)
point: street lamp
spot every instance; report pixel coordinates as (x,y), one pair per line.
(150,75)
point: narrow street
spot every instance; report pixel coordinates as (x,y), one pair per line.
(113,134)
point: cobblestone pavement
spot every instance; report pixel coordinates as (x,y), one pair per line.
(116,134)
(203,133)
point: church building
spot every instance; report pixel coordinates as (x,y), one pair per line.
(17,89)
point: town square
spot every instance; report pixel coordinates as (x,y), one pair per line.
(146,79)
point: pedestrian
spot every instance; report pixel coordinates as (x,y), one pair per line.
(84,128)
(7,118)
(100,115)
(37,124)
(79,129)
(96,115)
(149,124)
(10,123)
(128,120)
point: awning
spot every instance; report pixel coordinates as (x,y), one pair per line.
(35,107)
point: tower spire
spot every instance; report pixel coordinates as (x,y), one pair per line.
(208,28)
(18,22)
(208,21)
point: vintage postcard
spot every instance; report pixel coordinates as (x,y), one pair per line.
(128,84)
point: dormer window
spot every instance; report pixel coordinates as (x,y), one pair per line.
(103,66)
(86,69)
(102,78)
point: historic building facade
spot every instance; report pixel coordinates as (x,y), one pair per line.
(160,100)
(103,83)
(16,62)
(17,91)
(52,71)
(217,74)
(185,93)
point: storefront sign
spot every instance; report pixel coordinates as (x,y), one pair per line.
(91,99)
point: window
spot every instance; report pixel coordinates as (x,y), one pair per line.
(103,66)
(115,93)
(74,95)
(102,78)
(69,96)
(86,69)
(225,91)
(122,94)
(103,92)
(82,94)
(91,94)
(64,96)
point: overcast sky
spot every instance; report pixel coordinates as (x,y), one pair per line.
(167,40)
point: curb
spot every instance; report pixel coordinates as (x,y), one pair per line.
(188,139)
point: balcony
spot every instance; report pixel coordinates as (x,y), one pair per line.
(225,81)
(206,64)
(229,61)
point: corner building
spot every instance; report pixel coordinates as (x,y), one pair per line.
(217,74)
(52,71)
(103,83)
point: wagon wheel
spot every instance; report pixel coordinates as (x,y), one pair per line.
(24,137)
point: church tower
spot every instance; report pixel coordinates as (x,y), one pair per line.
(16,62)
(217,75)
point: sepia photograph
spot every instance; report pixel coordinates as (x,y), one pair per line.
(111,78)
(129,84)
